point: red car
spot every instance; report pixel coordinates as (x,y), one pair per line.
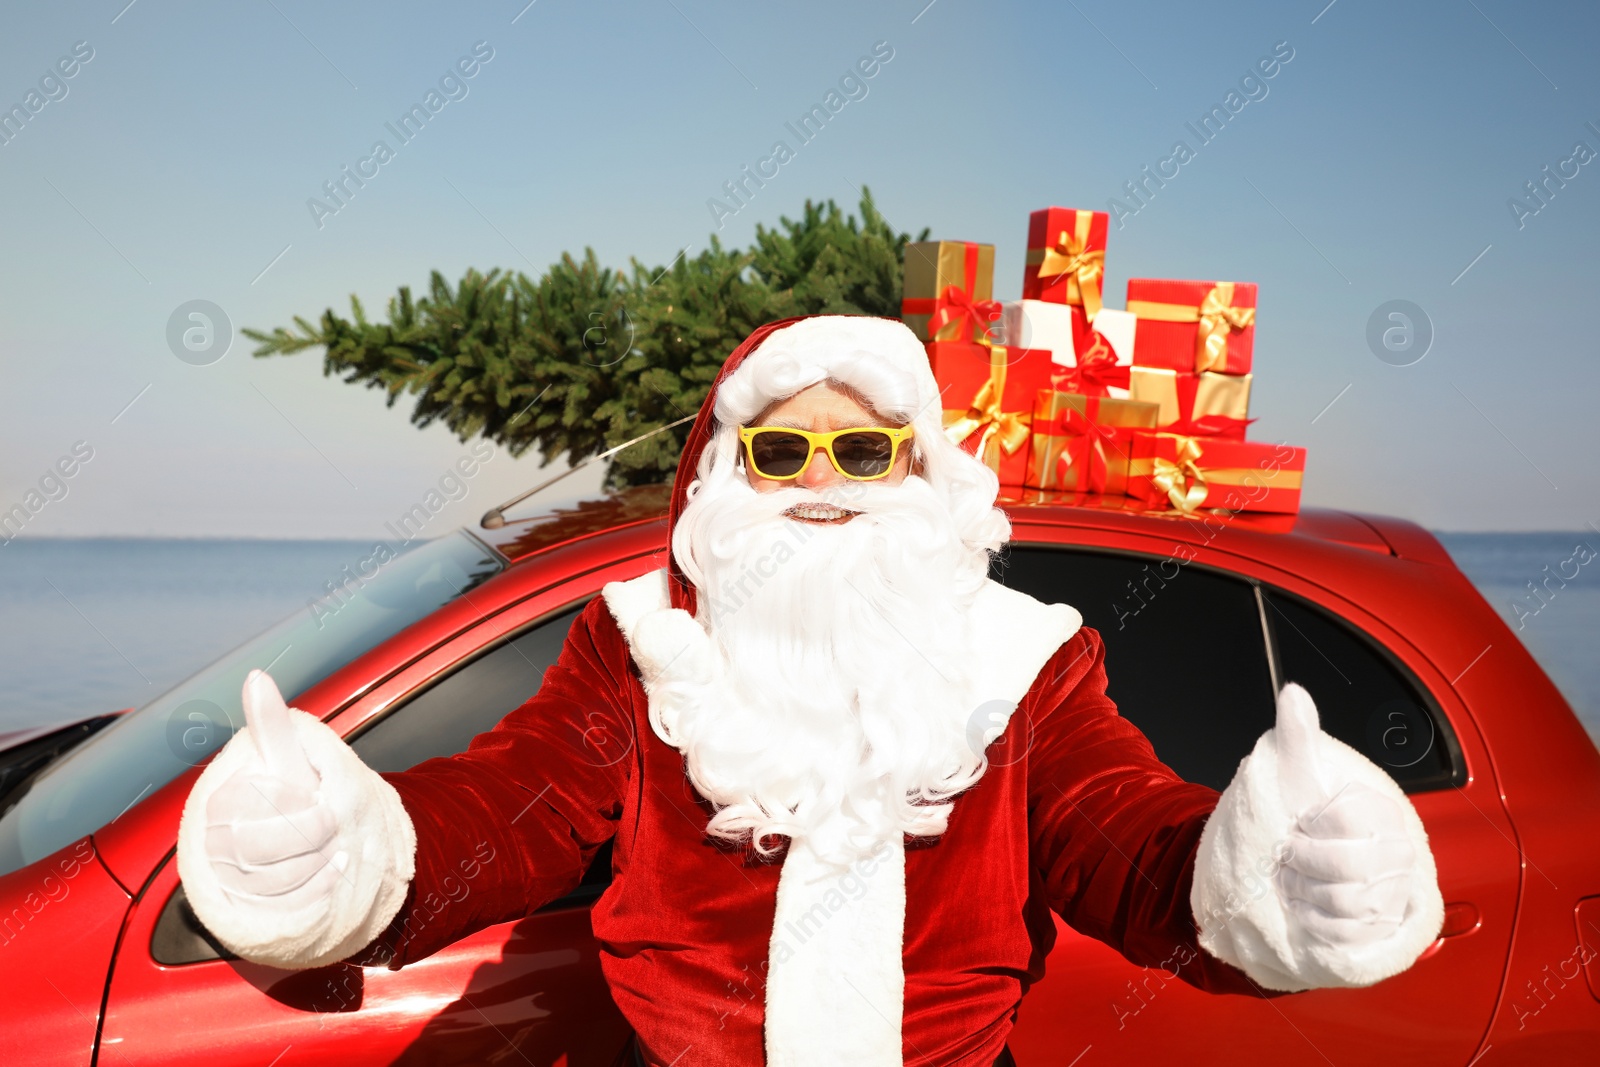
(409,658)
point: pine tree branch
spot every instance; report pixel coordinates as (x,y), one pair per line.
(585,357)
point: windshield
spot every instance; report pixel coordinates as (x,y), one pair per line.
(115,769)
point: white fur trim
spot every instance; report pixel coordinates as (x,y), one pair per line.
(835,979)
(659,636)
(1016,636)
(631,600)
(1235,897)
(808,348)
(374,831)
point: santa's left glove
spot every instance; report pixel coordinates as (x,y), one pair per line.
(292,852)
(1350,864)
(1314,870)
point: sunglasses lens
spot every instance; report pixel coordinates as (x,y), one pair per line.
(865,454)
(779,455)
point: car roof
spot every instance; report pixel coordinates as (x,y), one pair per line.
(563,522)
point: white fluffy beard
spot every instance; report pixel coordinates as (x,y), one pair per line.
(835,709)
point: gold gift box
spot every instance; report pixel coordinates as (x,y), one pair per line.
(1225,398)
(1055,431)
(932,267)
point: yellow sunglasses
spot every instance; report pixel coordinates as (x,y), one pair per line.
(860,453)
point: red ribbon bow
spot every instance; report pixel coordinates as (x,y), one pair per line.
(1095,372)
(1087,447)
(958,305)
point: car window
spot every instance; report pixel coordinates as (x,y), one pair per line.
(444,718)
(1364,697)
(145,749)
(1186,660)
(1194,655)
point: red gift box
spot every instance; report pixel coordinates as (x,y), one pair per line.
(1082,443)
(1193,326)
(1188,473)
(1066,259)
(987,396)
(949,288)
(1067,498)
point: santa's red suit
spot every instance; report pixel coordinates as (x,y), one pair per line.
(919,951)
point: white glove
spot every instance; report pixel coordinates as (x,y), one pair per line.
(268,827)
(1347,877)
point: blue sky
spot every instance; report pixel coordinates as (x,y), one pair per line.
(1377,166)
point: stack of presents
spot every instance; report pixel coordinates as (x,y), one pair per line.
(1060,394)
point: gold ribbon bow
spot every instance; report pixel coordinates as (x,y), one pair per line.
(1084,266)
(1006,430)
(1217,317)
(1180,478)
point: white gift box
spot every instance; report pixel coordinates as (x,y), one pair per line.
(1039,324)
(1114,329)
(1048,325)
(1117,328)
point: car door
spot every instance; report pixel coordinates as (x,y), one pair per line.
(523,992)
(1194,655)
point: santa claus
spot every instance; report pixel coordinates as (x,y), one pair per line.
(815,863)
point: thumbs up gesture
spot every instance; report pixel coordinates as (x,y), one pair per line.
(268,830)
(1349,866)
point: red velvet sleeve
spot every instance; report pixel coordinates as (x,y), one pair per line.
(513,822)
(1113,831)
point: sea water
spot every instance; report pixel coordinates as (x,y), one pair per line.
(91,626)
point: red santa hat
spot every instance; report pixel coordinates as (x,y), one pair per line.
(880,357)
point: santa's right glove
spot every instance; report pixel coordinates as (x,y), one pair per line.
(293,852)
(270,835)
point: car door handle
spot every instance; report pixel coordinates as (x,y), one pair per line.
(1460,918)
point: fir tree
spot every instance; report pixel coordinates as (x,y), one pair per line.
(586,357)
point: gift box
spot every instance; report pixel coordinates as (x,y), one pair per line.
(988,393)
(1194,326)
(1103,361)
(1118,330)
(1203,405)
(949,289)
(1096,358)
(1062,498)
(1066,258)
(1082,444)
(1042,324)
(1188,473)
